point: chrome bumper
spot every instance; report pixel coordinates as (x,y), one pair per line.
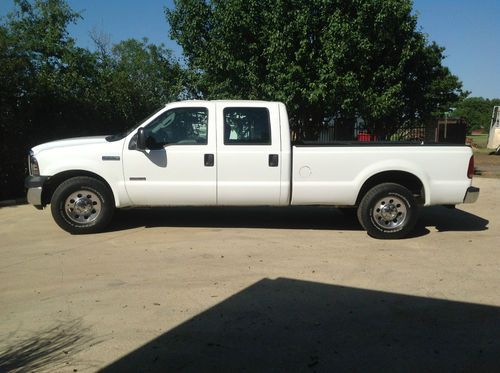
(34,197)
(34,184)
(471,195)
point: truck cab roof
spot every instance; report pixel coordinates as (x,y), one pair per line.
(229,102)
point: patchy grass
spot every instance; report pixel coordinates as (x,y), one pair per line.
(487,164)
(479,141)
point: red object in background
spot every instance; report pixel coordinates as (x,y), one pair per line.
(366,137)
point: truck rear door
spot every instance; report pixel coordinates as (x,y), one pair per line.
(248,154)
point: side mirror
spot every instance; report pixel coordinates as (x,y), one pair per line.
(141,139)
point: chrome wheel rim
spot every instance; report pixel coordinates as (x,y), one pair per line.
(82,206)
(390,213)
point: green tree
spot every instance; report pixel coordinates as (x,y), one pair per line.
(136,78)
(324,59)
(37,57)
(477,111)
(52,89)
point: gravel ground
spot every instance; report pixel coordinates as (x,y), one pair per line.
(265,289)
(487,164)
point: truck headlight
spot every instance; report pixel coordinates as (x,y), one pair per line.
(33,165)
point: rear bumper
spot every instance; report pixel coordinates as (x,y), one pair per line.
(471,195)
(34,184)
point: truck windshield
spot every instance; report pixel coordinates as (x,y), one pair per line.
(122,135)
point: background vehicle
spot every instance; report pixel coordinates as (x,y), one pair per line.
(494,135)
(227,153)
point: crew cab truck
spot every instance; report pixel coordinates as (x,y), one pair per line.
(238,153)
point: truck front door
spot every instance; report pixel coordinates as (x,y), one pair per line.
(178,166)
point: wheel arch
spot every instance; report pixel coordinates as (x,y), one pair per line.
(407,179)
(54,181)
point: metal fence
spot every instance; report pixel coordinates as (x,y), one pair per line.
(442,130)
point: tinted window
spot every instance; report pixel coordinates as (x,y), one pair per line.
(246,126)
(182,126)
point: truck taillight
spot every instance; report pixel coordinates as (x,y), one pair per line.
(470,169)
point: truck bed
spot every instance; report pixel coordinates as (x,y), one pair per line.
(326,174)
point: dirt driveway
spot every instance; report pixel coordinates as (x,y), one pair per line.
(252,290)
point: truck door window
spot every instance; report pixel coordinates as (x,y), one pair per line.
(247,126)
(181,126)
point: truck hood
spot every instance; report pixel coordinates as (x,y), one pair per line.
(77,141)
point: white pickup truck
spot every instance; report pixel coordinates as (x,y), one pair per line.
(238,153)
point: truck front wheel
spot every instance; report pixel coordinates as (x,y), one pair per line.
(388,210)
(82,205)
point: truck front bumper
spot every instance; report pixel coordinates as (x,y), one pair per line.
(471,195)
(34,184)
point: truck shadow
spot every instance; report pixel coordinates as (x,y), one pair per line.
(300,217)
(287,325)
(446,219)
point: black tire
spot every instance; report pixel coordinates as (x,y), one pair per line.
(386,201)
(82,205)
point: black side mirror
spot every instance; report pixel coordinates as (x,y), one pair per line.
(141,139)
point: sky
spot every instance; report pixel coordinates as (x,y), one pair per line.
(468,29)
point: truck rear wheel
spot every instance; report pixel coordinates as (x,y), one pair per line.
(388,210)
(82,205)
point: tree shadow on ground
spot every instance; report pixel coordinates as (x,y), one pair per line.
(286,325)
(296,217)
(49,348)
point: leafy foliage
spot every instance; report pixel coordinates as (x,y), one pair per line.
(136,78)
(52,89)
(324,59)
(477,111)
